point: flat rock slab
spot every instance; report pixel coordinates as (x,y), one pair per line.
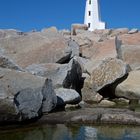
(93,116)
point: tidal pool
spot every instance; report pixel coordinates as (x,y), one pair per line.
(72,132)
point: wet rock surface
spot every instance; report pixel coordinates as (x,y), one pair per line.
(107,103)
(91,116)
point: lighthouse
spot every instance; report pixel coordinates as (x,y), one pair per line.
(93,16)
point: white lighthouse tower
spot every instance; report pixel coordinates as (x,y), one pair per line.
(92,15)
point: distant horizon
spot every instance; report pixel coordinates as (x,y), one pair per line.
(27,15)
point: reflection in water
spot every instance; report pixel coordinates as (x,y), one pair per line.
(75,132)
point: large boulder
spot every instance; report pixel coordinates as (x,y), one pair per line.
(82,41)
(129,88)
(87,39)
(62,75)
(130,39)
(103,77)
(28,102)
(101,50)
(104,33)
(67,96)
(22,95)
(129,51)
(56,72)
(107,72)
(87,35)
(36,47)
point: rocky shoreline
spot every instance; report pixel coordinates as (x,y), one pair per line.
(42,71)
(93,116)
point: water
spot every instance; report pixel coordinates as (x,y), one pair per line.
(74,132)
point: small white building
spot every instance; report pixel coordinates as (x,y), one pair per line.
(92,15)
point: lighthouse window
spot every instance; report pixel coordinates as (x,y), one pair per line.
(89,25)
(89,1)
(89,13)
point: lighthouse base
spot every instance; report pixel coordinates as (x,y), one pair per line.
(98,25)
